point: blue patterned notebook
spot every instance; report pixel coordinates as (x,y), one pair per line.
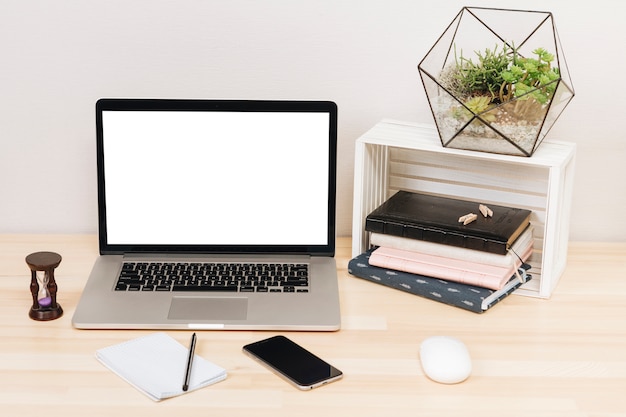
(468,297)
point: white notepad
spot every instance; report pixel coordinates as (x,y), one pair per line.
(156,364)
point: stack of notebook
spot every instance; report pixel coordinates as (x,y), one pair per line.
(454,251)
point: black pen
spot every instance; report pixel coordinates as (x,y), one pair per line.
(192,348)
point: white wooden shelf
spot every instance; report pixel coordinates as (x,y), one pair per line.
(396,155)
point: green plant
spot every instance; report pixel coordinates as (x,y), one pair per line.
(485,76)
(530,77)
(477,105)
(500,75)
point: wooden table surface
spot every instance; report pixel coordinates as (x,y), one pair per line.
(560,357)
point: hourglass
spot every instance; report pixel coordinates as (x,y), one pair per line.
(43,287)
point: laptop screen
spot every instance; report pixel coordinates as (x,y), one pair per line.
(216,176)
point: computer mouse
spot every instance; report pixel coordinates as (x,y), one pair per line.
(445,359)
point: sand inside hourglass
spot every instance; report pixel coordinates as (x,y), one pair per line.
(43,297)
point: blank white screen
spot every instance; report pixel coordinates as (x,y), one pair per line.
(216,178)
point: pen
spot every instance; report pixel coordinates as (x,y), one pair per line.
(192,348)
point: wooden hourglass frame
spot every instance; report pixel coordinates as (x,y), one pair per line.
(43,286)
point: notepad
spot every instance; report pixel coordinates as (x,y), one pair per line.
(156,364)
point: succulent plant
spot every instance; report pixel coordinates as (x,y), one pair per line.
(501,75)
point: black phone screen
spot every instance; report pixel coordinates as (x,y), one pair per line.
(293,361)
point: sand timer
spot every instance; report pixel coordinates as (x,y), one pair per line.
(43,287)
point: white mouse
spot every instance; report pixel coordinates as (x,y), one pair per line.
(445,359)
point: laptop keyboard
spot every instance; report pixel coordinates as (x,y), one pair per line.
(213,277)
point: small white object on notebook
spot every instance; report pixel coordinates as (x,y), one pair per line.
(155,365)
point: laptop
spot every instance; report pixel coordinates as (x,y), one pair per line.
(214,214)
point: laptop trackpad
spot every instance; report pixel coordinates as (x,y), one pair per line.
(208,308)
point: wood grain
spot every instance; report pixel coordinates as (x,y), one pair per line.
(565,356)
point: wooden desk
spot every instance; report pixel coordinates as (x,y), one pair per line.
(560,357)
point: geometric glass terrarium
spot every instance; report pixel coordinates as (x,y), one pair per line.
(496,80)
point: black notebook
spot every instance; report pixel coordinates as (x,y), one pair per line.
(468,297)
(436,219)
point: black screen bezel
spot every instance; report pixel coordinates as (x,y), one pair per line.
(116,104)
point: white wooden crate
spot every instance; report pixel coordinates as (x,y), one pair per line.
(397,155)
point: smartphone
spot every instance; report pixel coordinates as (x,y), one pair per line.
(293,362)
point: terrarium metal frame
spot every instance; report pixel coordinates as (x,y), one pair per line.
(506,111)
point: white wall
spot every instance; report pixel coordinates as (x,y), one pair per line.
(58,57)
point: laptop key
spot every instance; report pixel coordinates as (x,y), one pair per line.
(296,283)
(224,288)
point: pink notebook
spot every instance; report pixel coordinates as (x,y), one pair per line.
(451,269)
